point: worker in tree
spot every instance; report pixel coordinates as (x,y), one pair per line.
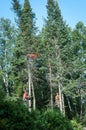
(57,103)
(25,96)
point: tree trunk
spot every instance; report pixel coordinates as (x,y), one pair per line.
(51,89)
(6,76)
(34,99)
(63,106)
(69,105)
(81,105)
(29,85)
(6,84)
(61,99)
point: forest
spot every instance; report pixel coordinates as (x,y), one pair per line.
(42,63)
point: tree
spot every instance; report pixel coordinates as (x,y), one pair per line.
(7,32)
(74,73)
(56,38)
(78,65)
(27,41)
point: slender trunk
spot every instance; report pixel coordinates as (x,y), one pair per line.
(63,106)
(34,99)
(29,85)
(61,102)
(69,104)
(29,90)
(81,107)
(61,99)
(6,76)
(51,89)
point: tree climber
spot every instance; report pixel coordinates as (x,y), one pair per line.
(57,104)
(25,96)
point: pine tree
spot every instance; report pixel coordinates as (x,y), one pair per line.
(26,44)
(27,25)
(56,39)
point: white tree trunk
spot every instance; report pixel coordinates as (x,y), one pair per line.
(63,106)
(29,84)
(34,99)
(29,90)
(61,99)
(51,89)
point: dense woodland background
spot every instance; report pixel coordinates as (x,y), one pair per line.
(52,60)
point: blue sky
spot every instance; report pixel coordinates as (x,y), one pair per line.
(72,11)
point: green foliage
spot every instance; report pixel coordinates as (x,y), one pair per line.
(7,35)
(14,115)
(76,125)
(25,42)
(75,72)
(2,94)
(16,7)
(53,120)
(62,50)
(84,117)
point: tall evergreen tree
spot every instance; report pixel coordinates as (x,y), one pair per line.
(26,44)
(56,39)
(27,26)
